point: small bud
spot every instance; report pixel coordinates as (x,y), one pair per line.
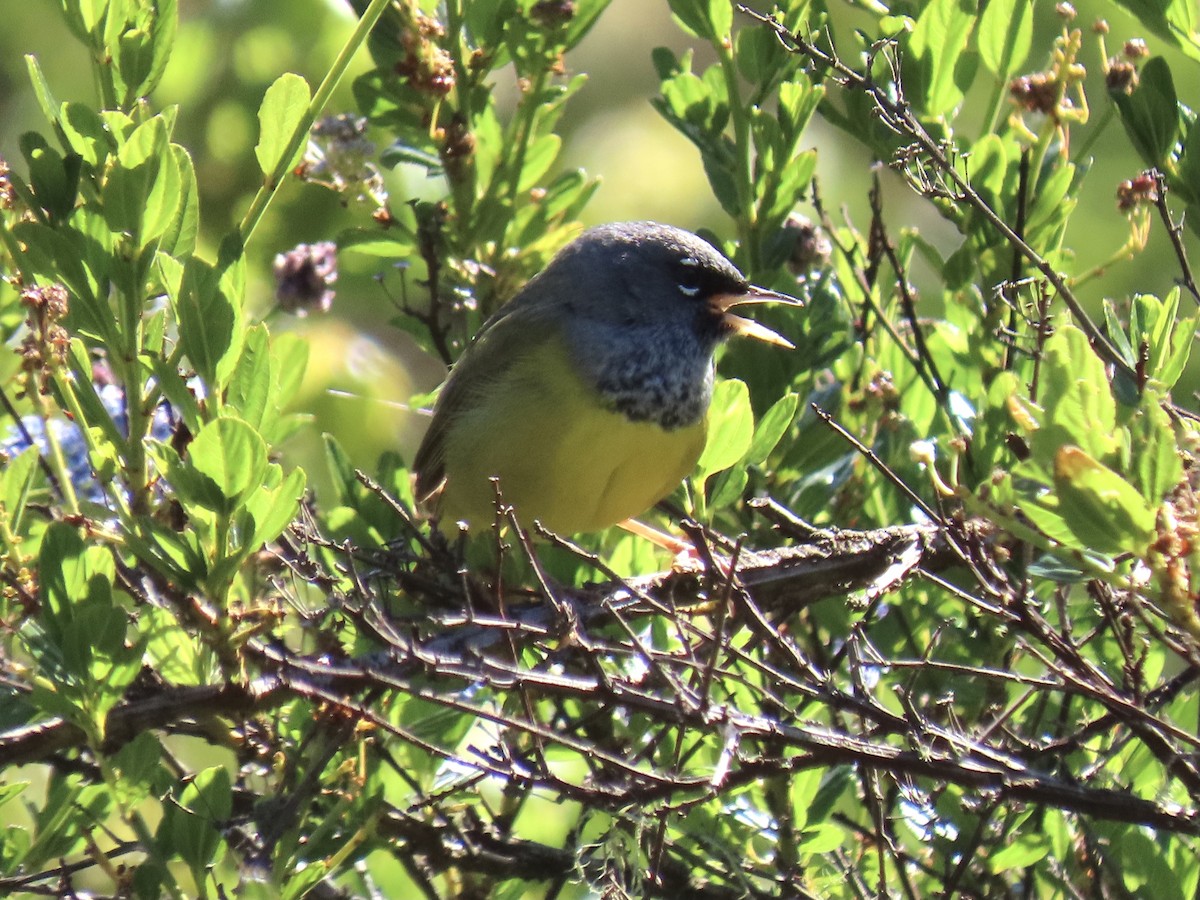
(1135,48)
(1034,93)
(45,346)
(428,67)
(1139,191)
(1100,26)
(1065,10)
(50,303)
(1121,77)
(304,277)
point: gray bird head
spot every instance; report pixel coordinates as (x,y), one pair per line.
(631,275)
(642,307)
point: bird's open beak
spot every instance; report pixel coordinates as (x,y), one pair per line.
(748,327)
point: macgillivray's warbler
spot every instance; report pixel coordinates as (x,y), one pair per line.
(587,393)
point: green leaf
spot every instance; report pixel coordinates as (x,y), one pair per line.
(1116,333)
(400,153)
(1151,113)
(250,385)
(798,101)
(128,185)
(282,110)
(1170,339)
(16,480)
(41,89)
(373,242)
(179,235)
(938,43)
(1155,464)
(1076,396)
(539,157)
(209,322)
(174,654)
(823,838)
(65,576)
(146,48)
(1105,512)
(771,428)
(52,253)
(273,509)
(54,178)
(1187,180)
(486,19)
(341,471)
(802,790)
(137,764)
(707,19)
(228,460)
(14,789)
(291,361)
(192,826)
(720,15)
(729,487)
(730,428)
(1020,852)
(164,199)
(1005,36)
(87,134)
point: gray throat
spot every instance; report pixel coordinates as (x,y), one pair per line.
(650,374)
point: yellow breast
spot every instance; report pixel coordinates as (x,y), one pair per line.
(561,457)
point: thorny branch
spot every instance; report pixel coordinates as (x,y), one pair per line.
(737,686)
(1175,234)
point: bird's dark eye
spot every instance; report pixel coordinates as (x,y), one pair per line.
(688,275)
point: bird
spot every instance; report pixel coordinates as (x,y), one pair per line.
(585,396)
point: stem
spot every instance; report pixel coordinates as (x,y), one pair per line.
(104,82)
(463,184)
(270,186)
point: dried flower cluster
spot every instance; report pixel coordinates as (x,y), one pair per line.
(304,278)
(45,346)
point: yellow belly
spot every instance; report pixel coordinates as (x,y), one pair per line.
(561,457)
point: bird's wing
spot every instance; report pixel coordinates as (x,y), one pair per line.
(515,330)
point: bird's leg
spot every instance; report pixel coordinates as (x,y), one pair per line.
(686,557)
(659,538)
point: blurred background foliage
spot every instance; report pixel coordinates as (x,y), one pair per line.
(229,51)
